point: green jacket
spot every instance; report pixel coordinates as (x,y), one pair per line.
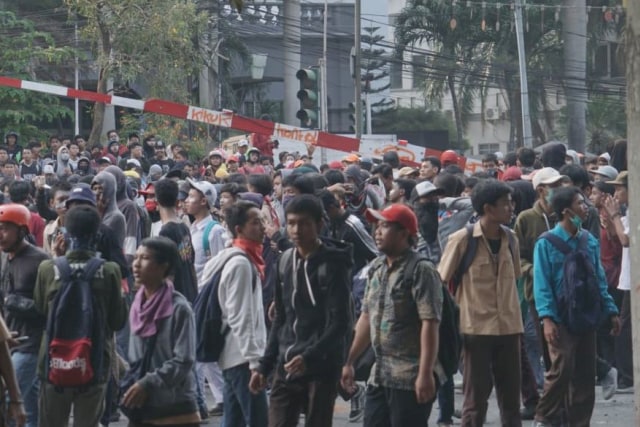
(530,225)
(106,286)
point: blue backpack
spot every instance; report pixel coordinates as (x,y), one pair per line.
(210,335)
(75,328)
(579,303)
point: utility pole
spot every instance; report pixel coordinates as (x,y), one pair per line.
(632,56)
(292,50)
(574,38)
(524,86)
(358,71)
(324,96)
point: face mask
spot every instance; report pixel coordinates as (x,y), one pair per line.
(549,196)
(151,205)
(64,157)
(576,220)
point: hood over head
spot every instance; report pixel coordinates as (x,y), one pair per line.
(61,165)
(121,181)
(108,183)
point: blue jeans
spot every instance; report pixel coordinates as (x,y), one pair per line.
(241,407)
(532,347)
(26,368)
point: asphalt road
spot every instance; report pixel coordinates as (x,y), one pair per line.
(617,412)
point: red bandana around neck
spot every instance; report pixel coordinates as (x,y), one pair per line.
(254,251)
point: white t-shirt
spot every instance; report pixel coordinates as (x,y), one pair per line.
(624,284)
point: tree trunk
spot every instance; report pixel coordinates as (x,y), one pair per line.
(632,56)
(103,75)
(98,111)
(574,36)
(451,81)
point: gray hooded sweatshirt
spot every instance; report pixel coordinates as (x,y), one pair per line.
(112,217)
(129,210)
(62,165)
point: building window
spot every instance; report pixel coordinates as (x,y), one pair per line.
(487,149)
(395,72)
(419,63)
(605,61)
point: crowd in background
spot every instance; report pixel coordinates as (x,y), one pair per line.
(318,302)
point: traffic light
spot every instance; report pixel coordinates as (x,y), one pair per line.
(352,117)
(309,97)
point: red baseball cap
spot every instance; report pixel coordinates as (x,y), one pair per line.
(449,156)
(399,213)
(336,164)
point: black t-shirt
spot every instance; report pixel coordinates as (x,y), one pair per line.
(165,164)
(28,172)
(185,280)
(19,278)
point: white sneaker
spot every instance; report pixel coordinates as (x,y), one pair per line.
(609,384)
(540,424)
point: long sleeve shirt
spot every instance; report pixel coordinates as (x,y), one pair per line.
(548,271)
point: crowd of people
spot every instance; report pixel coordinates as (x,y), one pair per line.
(325,281)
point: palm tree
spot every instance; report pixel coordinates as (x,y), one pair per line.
(424,22)
(471,59)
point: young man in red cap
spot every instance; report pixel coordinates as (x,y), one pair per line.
(400,319)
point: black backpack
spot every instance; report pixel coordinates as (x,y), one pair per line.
(450,340)
(579,303)
(210,336)
(470,254)
(75,328)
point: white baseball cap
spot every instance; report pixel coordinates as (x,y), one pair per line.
(425,188)
(207,189)
(607,171)
(547,176)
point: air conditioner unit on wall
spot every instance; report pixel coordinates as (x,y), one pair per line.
(491,114)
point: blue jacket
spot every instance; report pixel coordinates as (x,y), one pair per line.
(548,270)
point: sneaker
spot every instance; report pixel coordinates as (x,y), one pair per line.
(357,405)
(445,424)
(610,384)
(216,411)
(540,424)
(457,413)
(625,387)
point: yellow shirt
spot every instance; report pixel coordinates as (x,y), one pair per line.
(487,296)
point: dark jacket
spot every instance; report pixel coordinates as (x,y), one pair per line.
(530,225)
(19,279)
(107,244)
(106,290)
(313,312)
(350,229)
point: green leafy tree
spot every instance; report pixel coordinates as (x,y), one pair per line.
(153,41)
(375,69)
(27,53)
(606,122)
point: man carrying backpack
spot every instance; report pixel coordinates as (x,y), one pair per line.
(400,318)
(76,355)
(490,318)
(20,261)
(567,267)
(242,270)
(207,238)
